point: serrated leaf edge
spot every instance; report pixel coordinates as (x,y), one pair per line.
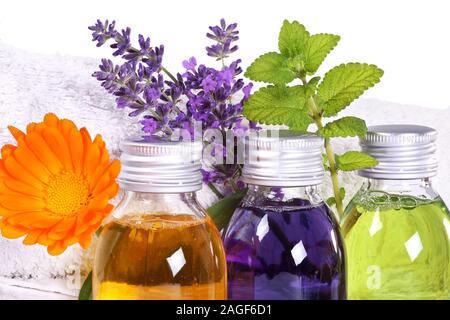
(329,51)
(352,63)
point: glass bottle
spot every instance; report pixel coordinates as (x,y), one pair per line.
(396,227)
(160,244)
(283,241)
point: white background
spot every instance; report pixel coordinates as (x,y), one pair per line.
(409,39)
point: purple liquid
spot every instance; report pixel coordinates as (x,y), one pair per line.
(285,251)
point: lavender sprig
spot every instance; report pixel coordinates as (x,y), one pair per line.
(211,99)
(213,96)
(224,36)
(138,83)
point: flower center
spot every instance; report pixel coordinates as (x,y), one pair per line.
(67,193)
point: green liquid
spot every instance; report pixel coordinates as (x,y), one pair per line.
(397,247)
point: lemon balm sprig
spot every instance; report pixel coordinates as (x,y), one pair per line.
(299,57)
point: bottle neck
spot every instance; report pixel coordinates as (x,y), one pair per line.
(284,194)
(146,203)
(412,187)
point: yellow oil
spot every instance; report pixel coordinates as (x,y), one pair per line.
(160,256)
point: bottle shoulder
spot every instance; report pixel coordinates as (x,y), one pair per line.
(135,206)
(289,214)
(385,197)
(374,210)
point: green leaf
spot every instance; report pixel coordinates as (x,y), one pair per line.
(270,67)
(342,193)
(331,201)
(296,64)
(355,160)
(345,83)
(292,39)
(86,288)
(325,162)
(279,105)
(317,48)
(344,127)
(222,210)
(311,87)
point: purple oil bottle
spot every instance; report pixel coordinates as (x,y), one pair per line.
(283,242)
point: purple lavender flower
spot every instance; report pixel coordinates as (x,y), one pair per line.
(208,84)
(212,95)
(167,102)
(224,36)
(150,124)
(103,31)
(123,43)
(190,64)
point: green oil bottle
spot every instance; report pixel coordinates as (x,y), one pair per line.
(397,228)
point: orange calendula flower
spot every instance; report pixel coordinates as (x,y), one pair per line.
(55,185)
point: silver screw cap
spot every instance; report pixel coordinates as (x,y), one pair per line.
(283,159)
(403,152)
(160,166)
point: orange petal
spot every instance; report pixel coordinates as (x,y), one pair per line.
(7,150)
(114,168)
(56,236)
(4,212)
(47,223)
(107,210)
(85,240)
(92,160)
(3,172)
(13,232)
(44,240)
(32,237)
(51,120)
(86,136)
(98,203)
(65,126)
(109,192)
(17,171)
(5,190)
(27,159)
(17,218)
(57,248)
(97,175)
(104,160)
(76,150)
(31,127)
(98,140)
(24,188)
(86,143)
(103,167)
(94,217)
(39,127)
(70,241)
(32,220)
(21,203)
(43,152)
(102,183)
(25,191)
(17,134)
(80,226)
(62,227)
(56,142)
